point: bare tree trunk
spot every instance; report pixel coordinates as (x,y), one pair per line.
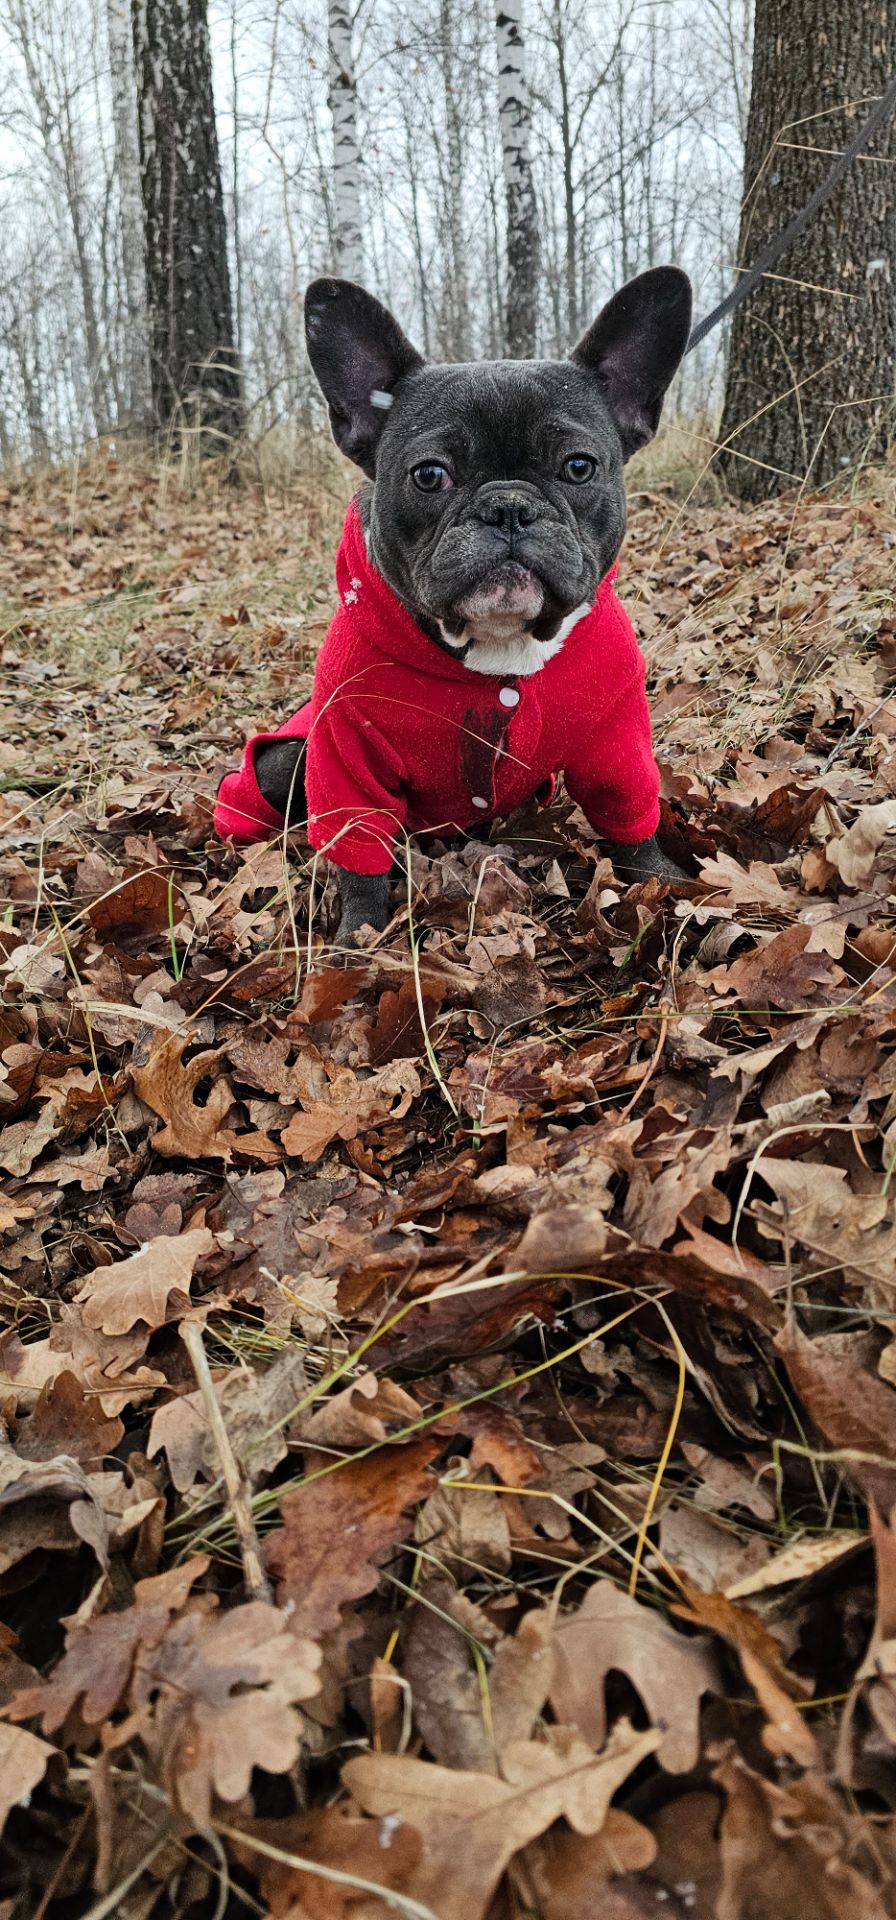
(515,120)
(456,264)
(812,369)
(194,366)
(127,167)
(569,206)
(347,244)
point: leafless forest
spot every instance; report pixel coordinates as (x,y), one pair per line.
(638,115)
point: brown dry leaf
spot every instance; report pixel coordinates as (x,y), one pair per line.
(783,971)
(855,1231)
(337,1524)
(256,1409)
(352,1108)
(473,1824)
(786,1732)
(446,1688)
(151,1287)
(25,1141)
(465,1529)
(359,1415)
(849,1404)
(855,852)
(798,1561)
(168,1085)
(137,903)
(66,1419)
(757,885)
(93,1676)
(396,1033)
(784,1852)
(569,1872)
(223,1693)
(332,1837)
(51,1504)
(588,1781)
(23,1762)
(611,1630)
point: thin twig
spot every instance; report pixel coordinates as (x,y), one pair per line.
(257,1584)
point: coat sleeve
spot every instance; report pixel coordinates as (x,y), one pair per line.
(613,775)
(354,784)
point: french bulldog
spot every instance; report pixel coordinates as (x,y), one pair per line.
(490,517)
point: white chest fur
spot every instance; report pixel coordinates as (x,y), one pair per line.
(491,648)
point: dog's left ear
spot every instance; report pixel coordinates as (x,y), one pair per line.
(359,354)
(634,347)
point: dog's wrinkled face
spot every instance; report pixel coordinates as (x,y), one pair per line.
(497,502)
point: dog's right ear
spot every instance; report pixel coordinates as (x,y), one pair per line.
(359,355)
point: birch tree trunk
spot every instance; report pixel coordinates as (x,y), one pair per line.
(456,302)
(812,367)
(127,168)
(348,251)
(194,365)
(515,120)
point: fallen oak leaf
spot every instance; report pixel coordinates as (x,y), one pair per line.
(855,852)
(571,1871)
(67,1419)
(150,1287)
(357,1106)
(136,904)
(255,1408)
(168,1085)
(337,1524)
(612,1631)
(23,1762)
(819,1211)
(223,1691)
(446,1688)
(330,1837)
(785,1850)
(782,971)
(92,1678)
(849,1404)
(473,1824)
(586,1780)
(786,1732)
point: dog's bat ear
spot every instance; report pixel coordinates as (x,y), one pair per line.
(634,347)
(359,355)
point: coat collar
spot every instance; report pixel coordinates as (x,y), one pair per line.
(379,618)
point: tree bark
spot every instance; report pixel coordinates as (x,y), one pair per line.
(348,250)
(194,365)
(127,167)
(515,120)
(456,303)
(811,384)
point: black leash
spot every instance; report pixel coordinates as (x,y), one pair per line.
(879,113)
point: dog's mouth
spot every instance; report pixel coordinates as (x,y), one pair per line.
(509,597)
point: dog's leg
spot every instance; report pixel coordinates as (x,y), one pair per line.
(645,862)
(280,772)
(364,898)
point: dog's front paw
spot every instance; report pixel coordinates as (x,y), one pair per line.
(365,908)
(647,862)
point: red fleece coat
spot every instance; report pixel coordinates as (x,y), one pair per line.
(403,737)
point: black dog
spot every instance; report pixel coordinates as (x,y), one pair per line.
(494,504)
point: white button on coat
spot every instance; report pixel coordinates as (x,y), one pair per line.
(478,800)
(509,697)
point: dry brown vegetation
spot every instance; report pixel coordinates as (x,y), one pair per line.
(449,1427)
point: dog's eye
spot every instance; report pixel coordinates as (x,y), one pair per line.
(431,477)
(577,469)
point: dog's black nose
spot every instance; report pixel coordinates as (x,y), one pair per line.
(508,508)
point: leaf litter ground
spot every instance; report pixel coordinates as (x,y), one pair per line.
(449,1427)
